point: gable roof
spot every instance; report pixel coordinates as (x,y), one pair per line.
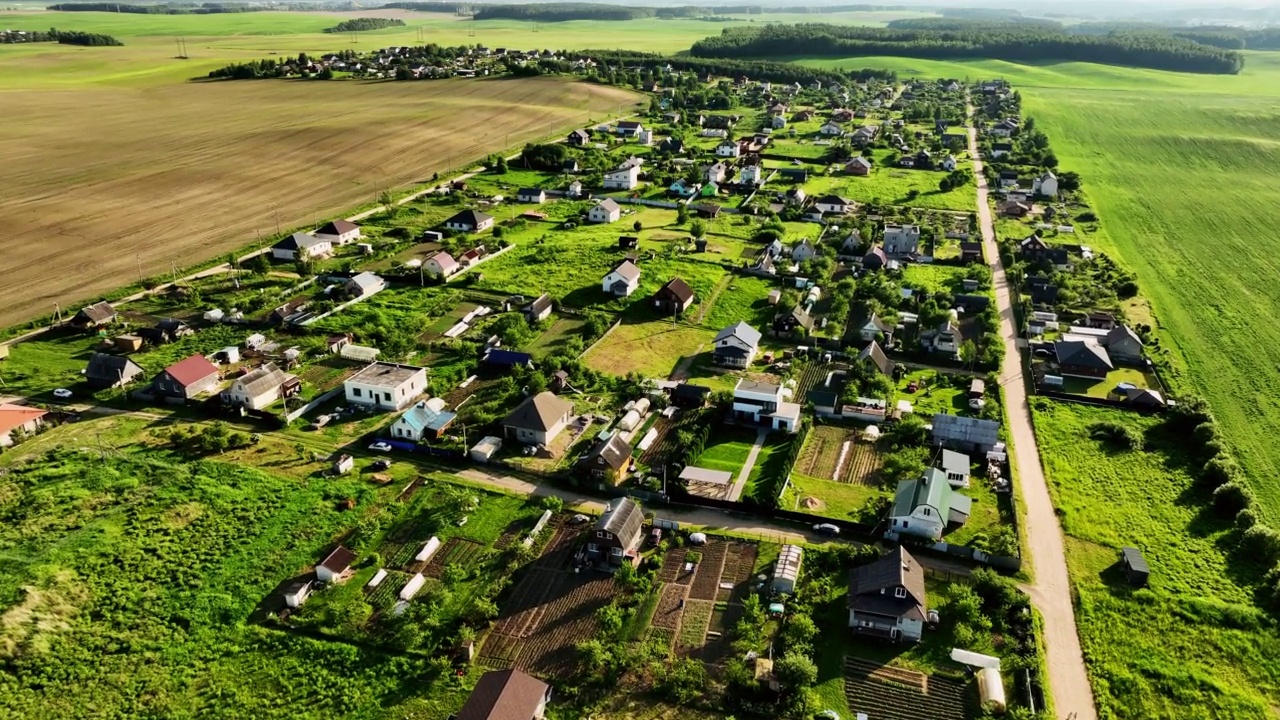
(875,354)
(499,356)
(298,241)
(338,560)
(872,587)
(742,331)
(931,490)
(608,204)
(1120,333)
(445,261)
(337,227)
(504,695)
(539,412)
(625,520)
(627,270)
(471,217)
(98,312)
(191,370)
(614,452)
(15,416)
(1085,354)
(112,368)
(366,281)
(262,379)
(542,302)
(678,289)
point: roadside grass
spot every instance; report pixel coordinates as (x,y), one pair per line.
(1191,644)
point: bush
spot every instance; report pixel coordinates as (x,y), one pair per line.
(1262,542)
(1116,434)
(1246,518)
(1219,470)
(1230,498)
(1206,432)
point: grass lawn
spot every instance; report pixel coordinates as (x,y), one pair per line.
(892,185)
(1192,644)
(935,393)
(727,449)
(745,298)
(50,360)
(838,500)
(555,338)
(654,348)
(1101,388)
(768,466)
(934,278)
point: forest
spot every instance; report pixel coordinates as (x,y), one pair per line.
(55,35)
(179,9)
(364,24)
(1149,50)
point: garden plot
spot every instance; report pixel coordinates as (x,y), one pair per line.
(895,694)
(841,455)
(669,610)
(455,552)
(547,615)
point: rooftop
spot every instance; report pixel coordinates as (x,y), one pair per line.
(385,375)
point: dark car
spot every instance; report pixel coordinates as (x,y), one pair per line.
(826,529)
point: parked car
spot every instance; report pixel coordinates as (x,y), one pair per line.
(578,519)
(62,393)
(379,465)
(826,529)
(655,536)
(380,447)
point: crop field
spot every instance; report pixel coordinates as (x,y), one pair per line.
(837,454)
(897,694)
(1198,648)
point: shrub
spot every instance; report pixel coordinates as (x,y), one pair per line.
(1263,542)
(1206,432)
(1230,498)
(1116,434)
(1219,470)
(1246,518)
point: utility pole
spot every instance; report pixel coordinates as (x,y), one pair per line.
(138,258)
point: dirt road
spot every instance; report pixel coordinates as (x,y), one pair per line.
(1051,592)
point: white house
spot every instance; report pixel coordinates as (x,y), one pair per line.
(777,122)
(622,280)
(364,285)
(944,339)
(426,420)
(736,345)
(901,239)
(833,204)
(950,163)
(925,507)
(887,598)
(339,232)
(301,246)
(728,149)
(751,175)
(469,221)
(630,128)
(804,252)
(605,211)
(831,129)
(531,195)
(440,265)
(260,387)
(575,189)
(297,593)
(622,179)
(18,421)
(956,467)
(386,386)
(538,420)
(1046,185)
(715,173)
(765,404)
(335,564)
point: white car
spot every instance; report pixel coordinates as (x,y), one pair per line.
(62,393)
(977,403)
(380,447)
(826,529)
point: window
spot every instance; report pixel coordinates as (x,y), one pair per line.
(355,392)
(905,524)
(900,592)
(616,552)
(592,547)
(926,512)
(387,396)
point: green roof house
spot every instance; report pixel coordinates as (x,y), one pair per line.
(928,506)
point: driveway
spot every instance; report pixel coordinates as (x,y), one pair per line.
(1051,591)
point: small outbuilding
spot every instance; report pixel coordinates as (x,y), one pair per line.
(335,564)
(787,570)
(1136,570)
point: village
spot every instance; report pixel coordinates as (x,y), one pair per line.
(765,298)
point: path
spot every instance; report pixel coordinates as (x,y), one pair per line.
(1051,591)
(735,492)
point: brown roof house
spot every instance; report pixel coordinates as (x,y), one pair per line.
(94,316)
(186,379)
(887,598)
(673,298)
(335,564)
(617,535)
(608,461)
(506,695)
(538,420)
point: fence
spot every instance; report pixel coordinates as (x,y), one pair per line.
(322,399)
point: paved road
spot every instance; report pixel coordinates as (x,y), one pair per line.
(1051,591)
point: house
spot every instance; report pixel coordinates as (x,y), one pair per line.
(804,252)
(18,421)
(1143,399)
(301,246)
(628,242)
(1005,128)
(469,221)
(385,386)
(875,259)
(605,211)
(538,420)
(1083,359)
(684,395)
(873,357)
(502,358)
(999,150)
(794,175)
(671,146)
(622,280)
(630,128)
(297,593)
(684,189)
(887,598)
(608,460)
(956,467)
(860,166)
(94,316)
(706,210)
(777,122)
(830,129)
(539,309)
(927,506)
(727,149)
(578,138)
(617,535)
(869,327)
(1100,320)
(364,285)
(506,695)
(626,178)
(765,404)
(1044,295)
(569,166)
(335,564)
(531,195)
(673,298)
(901,239)
(945,338)
(796,196)
(1035,249)
(441,265)
(721,122)
(186,379)
(797,323)
(339,232)
(426,420)
(735,346)
(949,163)
(715,173)
(1046,185)
(1123,344)
(109,371)
(833,204)
(970,252)
(965,433)
(802,116)
(260,387)
(1011,208)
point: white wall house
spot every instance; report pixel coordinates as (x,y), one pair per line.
(622,179)
(901,239)
(728,149)
(736,345)
(751,175)
(339,232)
(470,221)
(1046,185)
(605,211)
(831,130)
(887,599)
(386,386)
(301,246)
(259,387)
(441,264)
(833,204)
(765,404)
(622,280)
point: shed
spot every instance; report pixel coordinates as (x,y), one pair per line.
(1136,570)
(297,593)
(787,570)
(344,464)
(482,451)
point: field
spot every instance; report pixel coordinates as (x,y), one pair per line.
(654,349)
(897,694)
(1192,644)
(837,454)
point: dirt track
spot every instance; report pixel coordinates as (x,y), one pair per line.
(100,179)
(1051,591)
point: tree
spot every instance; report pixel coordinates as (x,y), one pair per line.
(796,671)
(638,226)
(697,228)
(682,214)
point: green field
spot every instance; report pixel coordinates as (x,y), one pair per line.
(1192,644)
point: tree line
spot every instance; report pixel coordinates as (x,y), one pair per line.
(754,69)
(363,24)
(176,9)
(1150,50)
(66,37)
